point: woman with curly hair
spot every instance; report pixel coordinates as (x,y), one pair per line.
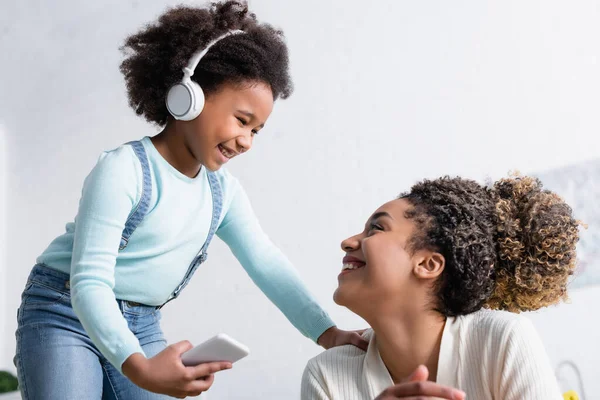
(440,275)
(88,324)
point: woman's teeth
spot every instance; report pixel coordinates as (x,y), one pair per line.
(225,152)
(346,267)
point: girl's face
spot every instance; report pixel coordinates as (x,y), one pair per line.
(380,273)
(231,117)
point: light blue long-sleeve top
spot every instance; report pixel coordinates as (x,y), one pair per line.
(162,247)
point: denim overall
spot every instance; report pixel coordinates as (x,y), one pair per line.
(56,359)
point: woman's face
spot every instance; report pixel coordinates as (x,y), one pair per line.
(379,271)
(231,117)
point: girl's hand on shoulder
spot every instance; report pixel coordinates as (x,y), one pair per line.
(334,337)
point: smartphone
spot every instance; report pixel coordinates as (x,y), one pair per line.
(218,348)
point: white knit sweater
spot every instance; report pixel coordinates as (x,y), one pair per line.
(490,355)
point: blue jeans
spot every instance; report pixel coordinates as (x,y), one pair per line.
(56,360)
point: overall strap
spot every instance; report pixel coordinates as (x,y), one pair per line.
(141,209)
(217,200)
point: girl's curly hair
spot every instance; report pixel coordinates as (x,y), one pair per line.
(156,55)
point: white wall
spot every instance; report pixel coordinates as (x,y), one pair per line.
(3,248)
(385,94)
(570,334)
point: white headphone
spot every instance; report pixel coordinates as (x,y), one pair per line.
(185,100)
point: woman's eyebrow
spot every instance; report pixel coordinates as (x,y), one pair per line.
(380,215)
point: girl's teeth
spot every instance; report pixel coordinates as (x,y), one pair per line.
(225,152)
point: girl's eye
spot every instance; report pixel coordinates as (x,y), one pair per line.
(243,122)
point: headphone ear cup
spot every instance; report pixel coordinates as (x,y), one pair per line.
(198,100)
(185,100)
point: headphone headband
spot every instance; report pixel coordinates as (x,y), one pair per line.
(188,70)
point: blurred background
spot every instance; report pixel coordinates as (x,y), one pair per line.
(387,92)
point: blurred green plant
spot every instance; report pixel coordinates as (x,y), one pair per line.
(8,382)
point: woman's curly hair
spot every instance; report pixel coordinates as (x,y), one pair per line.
(511,246)
(156,55)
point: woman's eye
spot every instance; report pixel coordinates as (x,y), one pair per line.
(242,121)
(375,227)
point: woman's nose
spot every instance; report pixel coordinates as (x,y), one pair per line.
(351,244)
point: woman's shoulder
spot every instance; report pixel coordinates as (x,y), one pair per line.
(505,348)
(341,355)
(496,324)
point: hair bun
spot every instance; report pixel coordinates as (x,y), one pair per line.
(536,238)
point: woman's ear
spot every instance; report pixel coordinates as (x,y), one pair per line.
(428,265)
